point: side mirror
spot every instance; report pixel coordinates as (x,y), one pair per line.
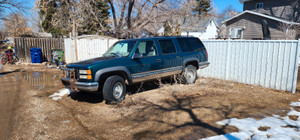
(137,55)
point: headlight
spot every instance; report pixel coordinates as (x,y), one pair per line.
(85,74)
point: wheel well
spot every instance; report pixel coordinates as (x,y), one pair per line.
(194,63)
(123,74)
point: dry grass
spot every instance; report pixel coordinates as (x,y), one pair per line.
(168,111)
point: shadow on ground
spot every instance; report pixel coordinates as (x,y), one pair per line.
(86,97)
(179,105)
(9,72)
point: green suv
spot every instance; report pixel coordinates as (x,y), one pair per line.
(137,60)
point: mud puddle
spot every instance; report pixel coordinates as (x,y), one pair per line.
(42,80)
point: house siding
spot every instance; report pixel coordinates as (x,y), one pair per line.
(285,9)
(253,28)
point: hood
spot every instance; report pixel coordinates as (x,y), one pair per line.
(86,63)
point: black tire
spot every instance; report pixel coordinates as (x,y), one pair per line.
(4,60)
(114,89)
(189,74)
(49,65)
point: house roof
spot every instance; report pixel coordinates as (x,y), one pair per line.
(196,23)
(262,15)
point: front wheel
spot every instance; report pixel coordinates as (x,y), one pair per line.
(189,74)
(4,60)
(114,89)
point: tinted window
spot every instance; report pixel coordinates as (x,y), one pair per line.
(190,44)
(146,48)
(167,46)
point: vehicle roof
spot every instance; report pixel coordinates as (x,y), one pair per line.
(159,37)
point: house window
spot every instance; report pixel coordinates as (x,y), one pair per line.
(236,33)
(259,5)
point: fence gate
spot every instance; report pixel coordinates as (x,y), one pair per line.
(86,48)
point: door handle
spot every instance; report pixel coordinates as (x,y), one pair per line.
(177,57)
(158,60)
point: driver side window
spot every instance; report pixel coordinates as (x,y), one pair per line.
(146,48)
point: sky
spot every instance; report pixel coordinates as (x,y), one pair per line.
(222,4)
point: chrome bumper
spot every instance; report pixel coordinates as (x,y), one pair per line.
(84,86)
(203,65)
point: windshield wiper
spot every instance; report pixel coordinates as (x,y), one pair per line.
(115,54)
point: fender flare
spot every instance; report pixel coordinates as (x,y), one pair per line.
(190,59)
(113,69)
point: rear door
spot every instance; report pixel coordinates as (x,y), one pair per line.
(170,57)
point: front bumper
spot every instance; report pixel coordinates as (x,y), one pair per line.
(83,86)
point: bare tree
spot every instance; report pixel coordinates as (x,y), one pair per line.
(8,6)
(129,17)
(132,16)
(290,31)
(226,13)
(16,25)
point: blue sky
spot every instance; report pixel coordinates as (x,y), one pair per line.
(221,4)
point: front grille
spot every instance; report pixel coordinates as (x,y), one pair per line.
(67,71)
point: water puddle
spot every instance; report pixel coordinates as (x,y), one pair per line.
(42,80)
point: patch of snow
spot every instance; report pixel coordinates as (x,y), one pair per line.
(293,112)
(295,104)
(67,121)
(280,128)
(58,95)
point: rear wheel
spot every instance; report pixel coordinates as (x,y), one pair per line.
(4,60)
(189,74)
(114,89)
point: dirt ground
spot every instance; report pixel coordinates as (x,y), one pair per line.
(149,111)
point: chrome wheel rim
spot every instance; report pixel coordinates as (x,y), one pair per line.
(190,74)
(118,90)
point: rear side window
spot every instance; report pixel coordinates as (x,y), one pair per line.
(190,44)
(167,46)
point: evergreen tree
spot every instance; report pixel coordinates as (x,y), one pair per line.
(202,7)
(47,9)
(97,20)
(58,17)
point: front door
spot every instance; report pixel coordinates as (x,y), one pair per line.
(146,62)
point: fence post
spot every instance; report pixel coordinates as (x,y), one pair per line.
(296,67)
(227,60)
(76,52)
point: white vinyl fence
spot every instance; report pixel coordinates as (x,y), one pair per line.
(271,64)
(267,63)
(86,48)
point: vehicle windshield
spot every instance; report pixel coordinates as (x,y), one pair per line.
(120,49)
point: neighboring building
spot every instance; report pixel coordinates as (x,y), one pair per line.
(281,18)
(205,27)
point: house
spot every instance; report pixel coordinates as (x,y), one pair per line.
(265,19)
(203,27)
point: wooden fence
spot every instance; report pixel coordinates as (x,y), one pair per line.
(22,46)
